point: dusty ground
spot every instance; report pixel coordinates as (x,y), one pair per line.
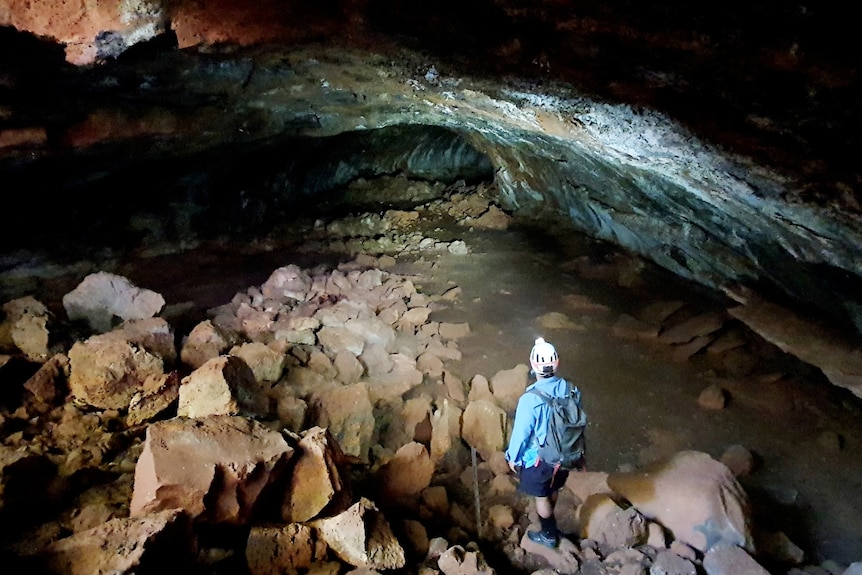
(806,435)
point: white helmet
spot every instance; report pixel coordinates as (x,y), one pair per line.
(543,358)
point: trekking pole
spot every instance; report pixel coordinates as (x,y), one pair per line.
(476,493)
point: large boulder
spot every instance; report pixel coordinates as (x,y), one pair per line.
(362,537)
(483,427)
(103,297)
(224,385)
(694,496)
(348,413)
(205,342)
(213,468)
(106,370)
(404,476)
(152,543)
(318,478)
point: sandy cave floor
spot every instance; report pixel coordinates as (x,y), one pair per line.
(642,403)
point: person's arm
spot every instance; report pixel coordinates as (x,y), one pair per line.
(522,429)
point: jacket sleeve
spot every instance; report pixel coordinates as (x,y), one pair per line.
(522,429)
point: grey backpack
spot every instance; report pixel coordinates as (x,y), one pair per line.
(565,443)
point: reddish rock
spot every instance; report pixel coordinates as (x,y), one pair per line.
(694,496)
(49,383)
(213,468)
(362,537)
(318,479)
(205,342)
(157,394)
(406,474)
(19,137)
(604,521)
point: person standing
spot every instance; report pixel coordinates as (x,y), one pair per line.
(538,478)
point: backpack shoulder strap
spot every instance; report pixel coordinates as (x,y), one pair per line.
(545,397)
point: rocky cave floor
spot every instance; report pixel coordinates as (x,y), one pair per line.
(523,280)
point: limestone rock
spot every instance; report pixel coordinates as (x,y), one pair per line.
(692,328)
(484,427)
(712,397)
(361,536)
(508,386)
(628,327)
(224,385)
(273,550)
(454,331)
(604,521)
(739,460)
(692,495)
(157,394)
(458,561)
(106,371)
(669,563)
(152,334)
(205,342)
(156,542)
(731,560)
(212,468)
(101,297)
(445,430)
(25,328)
(318,479)
(405,475)
(266,363)
(839,359)
(48,384)
(480,388)
(288,283)
(348,414)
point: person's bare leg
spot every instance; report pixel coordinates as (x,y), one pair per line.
(548,535)
(545,506)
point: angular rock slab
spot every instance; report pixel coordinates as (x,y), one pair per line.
(222,386)
(102,296)
(317,480)
(840,360)
(361,536)
(214,468)
(160,541)
(273,550)
(694,496)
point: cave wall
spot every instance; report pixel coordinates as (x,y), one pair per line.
(215,105)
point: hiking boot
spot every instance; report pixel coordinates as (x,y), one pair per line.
(542,539)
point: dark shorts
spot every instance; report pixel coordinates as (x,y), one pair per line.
(541,481)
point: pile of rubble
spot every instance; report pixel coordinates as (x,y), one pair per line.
(310,425)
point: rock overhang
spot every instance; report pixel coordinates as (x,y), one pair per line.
(216,129)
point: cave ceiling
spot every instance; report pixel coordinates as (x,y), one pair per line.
(717,141)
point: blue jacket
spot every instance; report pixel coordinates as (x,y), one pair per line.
(531,421)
